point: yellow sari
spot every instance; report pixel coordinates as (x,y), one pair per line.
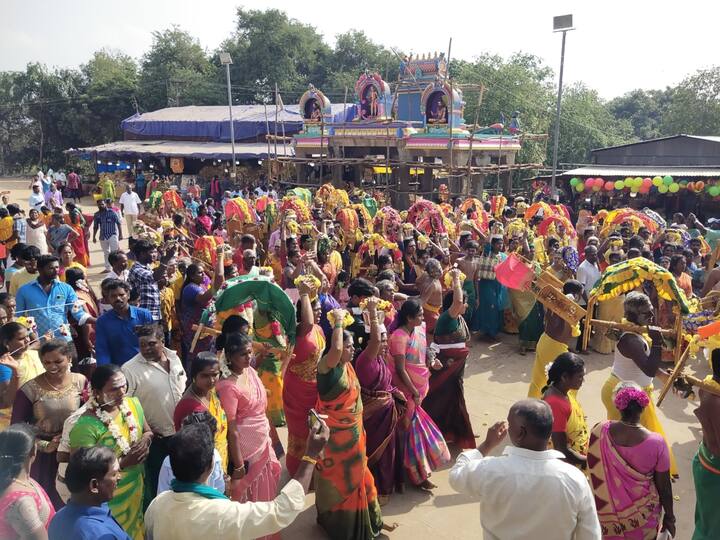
(546,352)
(218,413)
(30,367)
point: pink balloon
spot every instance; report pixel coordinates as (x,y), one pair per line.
(647,182)
(599,182)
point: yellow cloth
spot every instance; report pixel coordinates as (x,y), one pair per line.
(20,278)
(547,351)
(73,265)
(176,283)
(167,308)
(608,310)
(30,367)
(577,431)
(649,418)
(6,231)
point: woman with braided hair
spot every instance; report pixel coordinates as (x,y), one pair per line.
(569,432)
(25,508)
(630,468)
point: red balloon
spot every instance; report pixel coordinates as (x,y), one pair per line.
(599,182)
(647,182)
(609,186)
(645,189)
(699,186)
(691,186)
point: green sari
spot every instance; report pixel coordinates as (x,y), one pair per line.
(126,506)
(530,315)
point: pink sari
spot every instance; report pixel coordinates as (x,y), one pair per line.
(246,406)
(425,448)
(627,501)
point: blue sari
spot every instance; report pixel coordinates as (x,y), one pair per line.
(493,300)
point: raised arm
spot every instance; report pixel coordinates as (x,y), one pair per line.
(457,308)
(332,358)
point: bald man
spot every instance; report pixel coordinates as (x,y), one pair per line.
(511,488)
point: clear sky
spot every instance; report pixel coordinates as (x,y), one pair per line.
(618,45)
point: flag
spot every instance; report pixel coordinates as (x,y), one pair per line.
(514,273)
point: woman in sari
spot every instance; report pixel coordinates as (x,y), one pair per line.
(569,431)
(17,367)
(630,466)
(637,359)
(255,468)
(383,405)
(118,422)
(445,401)
(25,508)
(36,233)
(83,336)
(67,260)
(299,383)
(45,402)
(345,496)
(425,449)
(201,395)
(195,296)
(79,244)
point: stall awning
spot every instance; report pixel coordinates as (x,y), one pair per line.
(609,171)
(186,149)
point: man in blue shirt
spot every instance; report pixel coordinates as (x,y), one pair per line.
(49,301)
(108,222)
(91,476)
(115,339)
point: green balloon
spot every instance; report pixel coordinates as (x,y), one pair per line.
(714,191)
(579,187)
(574,181)
(663,189)
(674,188)
(620,184)
(667,180)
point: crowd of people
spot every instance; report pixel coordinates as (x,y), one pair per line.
(150,406)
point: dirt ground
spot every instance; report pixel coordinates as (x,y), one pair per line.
(496,376)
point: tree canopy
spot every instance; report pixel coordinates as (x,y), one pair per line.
(44,111)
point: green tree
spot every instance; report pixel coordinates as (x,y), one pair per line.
(354,52)
(586,123)
(519,83)
(177,71)
(269,48)
(644,109)
(695,106)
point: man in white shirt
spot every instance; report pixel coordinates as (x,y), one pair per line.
(130,205)
(588,273)
(528,492)
(193,511)
(37,199)
(156,377)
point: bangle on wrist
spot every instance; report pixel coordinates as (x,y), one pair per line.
(310,460)
(240,468)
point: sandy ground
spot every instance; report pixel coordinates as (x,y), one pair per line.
(496,376)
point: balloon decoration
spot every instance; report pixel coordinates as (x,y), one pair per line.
(657,184)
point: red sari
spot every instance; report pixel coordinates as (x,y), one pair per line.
(79,245)
(300,393)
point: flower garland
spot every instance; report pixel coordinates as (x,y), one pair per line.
(382,305)
(625,395)
(347,319)
(311,281)
(447,279)
(127,416)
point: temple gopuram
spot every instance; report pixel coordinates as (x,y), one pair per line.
(408,142)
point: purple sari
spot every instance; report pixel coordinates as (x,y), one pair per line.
(380,418)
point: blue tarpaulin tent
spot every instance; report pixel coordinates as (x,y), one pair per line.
(212,123)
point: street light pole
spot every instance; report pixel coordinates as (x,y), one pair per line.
(226,60)
(562,23)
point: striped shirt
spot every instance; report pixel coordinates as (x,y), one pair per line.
(108,222)
(141,279)
(20,227)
